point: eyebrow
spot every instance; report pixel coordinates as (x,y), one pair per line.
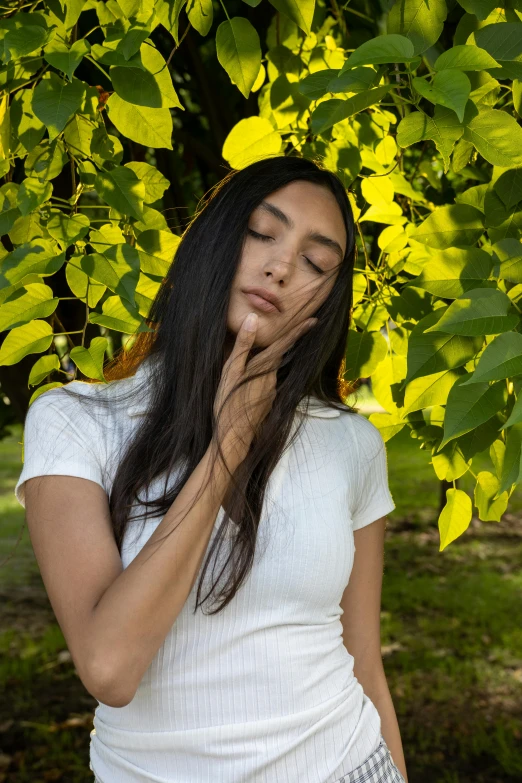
(315,236)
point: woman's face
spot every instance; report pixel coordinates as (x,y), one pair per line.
(296,258)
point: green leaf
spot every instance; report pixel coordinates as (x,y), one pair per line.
(429,390)
(329,112)
(112,57)
(455,516)
(137,8)
(37,257)
(461,155)
(433,352)
(157,250)
(73,9)
(377,189)
(467,58)
(480,8)
(168,12)
(496,135)
(68,229)
(34,300)
(8,218)
(150,87)
(47,159)
(514,418)
(66,60)
(452,272)
(286,61)
(419,20)
(477,312)
(299,11)
(249,140)
(474,196)
(502,358)
(383,49)
(239,52)
(78,135)
(455,224)
(121,189)
(155,183)
(512,227)
(90,360)
(26,33)
(200,15)
(152,218)
(32,193)
(286,101)
(133,39)
(366,350)
(354,80)
(517,96)
(509,187)
(315,85)
(449,88)
(469,407)
(509,253)
(34,337)
(55,101)
(510,473)
(490,508)
(25,124)
(43,367)
(150,127)
(118,268)
(105,147)
(119,316)
(504,43)
(444,129)
(5,127)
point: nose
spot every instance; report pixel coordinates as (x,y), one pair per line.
(281,267)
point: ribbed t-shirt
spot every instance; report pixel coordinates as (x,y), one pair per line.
(264,690)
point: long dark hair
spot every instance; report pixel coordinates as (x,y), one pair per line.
(186,343)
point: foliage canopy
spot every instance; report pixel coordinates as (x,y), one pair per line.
(415,105)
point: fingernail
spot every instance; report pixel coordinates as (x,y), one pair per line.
(250,322)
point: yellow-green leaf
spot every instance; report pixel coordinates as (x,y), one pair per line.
(239,52)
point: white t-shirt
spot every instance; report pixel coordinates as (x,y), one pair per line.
(264,690)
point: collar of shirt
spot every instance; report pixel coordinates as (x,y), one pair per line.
(316,407)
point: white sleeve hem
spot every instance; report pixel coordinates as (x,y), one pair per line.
(66,469)
(374,512)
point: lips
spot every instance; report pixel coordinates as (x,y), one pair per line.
(263,299)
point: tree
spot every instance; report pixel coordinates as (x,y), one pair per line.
(417,107)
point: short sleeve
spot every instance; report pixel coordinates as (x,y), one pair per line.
(373,498)
(57,441)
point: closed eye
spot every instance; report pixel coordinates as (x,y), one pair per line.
(265,238)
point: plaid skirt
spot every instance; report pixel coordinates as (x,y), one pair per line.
(378,768)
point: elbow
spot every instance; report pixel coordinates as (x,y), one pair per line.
(108,689)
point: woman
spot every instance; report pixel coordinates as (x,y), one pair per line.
(238,436)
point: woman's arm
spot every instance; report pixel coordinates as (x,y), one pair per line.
(361,620)
(135,614)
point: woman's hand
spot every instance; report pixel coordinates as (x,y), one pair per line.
(240,415)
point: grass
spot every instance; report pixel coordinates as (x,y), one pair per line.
(451,641)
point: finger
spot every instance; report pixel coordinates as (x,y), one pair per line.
(244,341)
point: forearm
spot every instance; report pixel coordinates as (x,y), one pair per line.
(380,695)
(135,614)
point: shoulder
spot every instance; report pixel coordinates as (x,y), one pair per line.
(71,405)
(359,429)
